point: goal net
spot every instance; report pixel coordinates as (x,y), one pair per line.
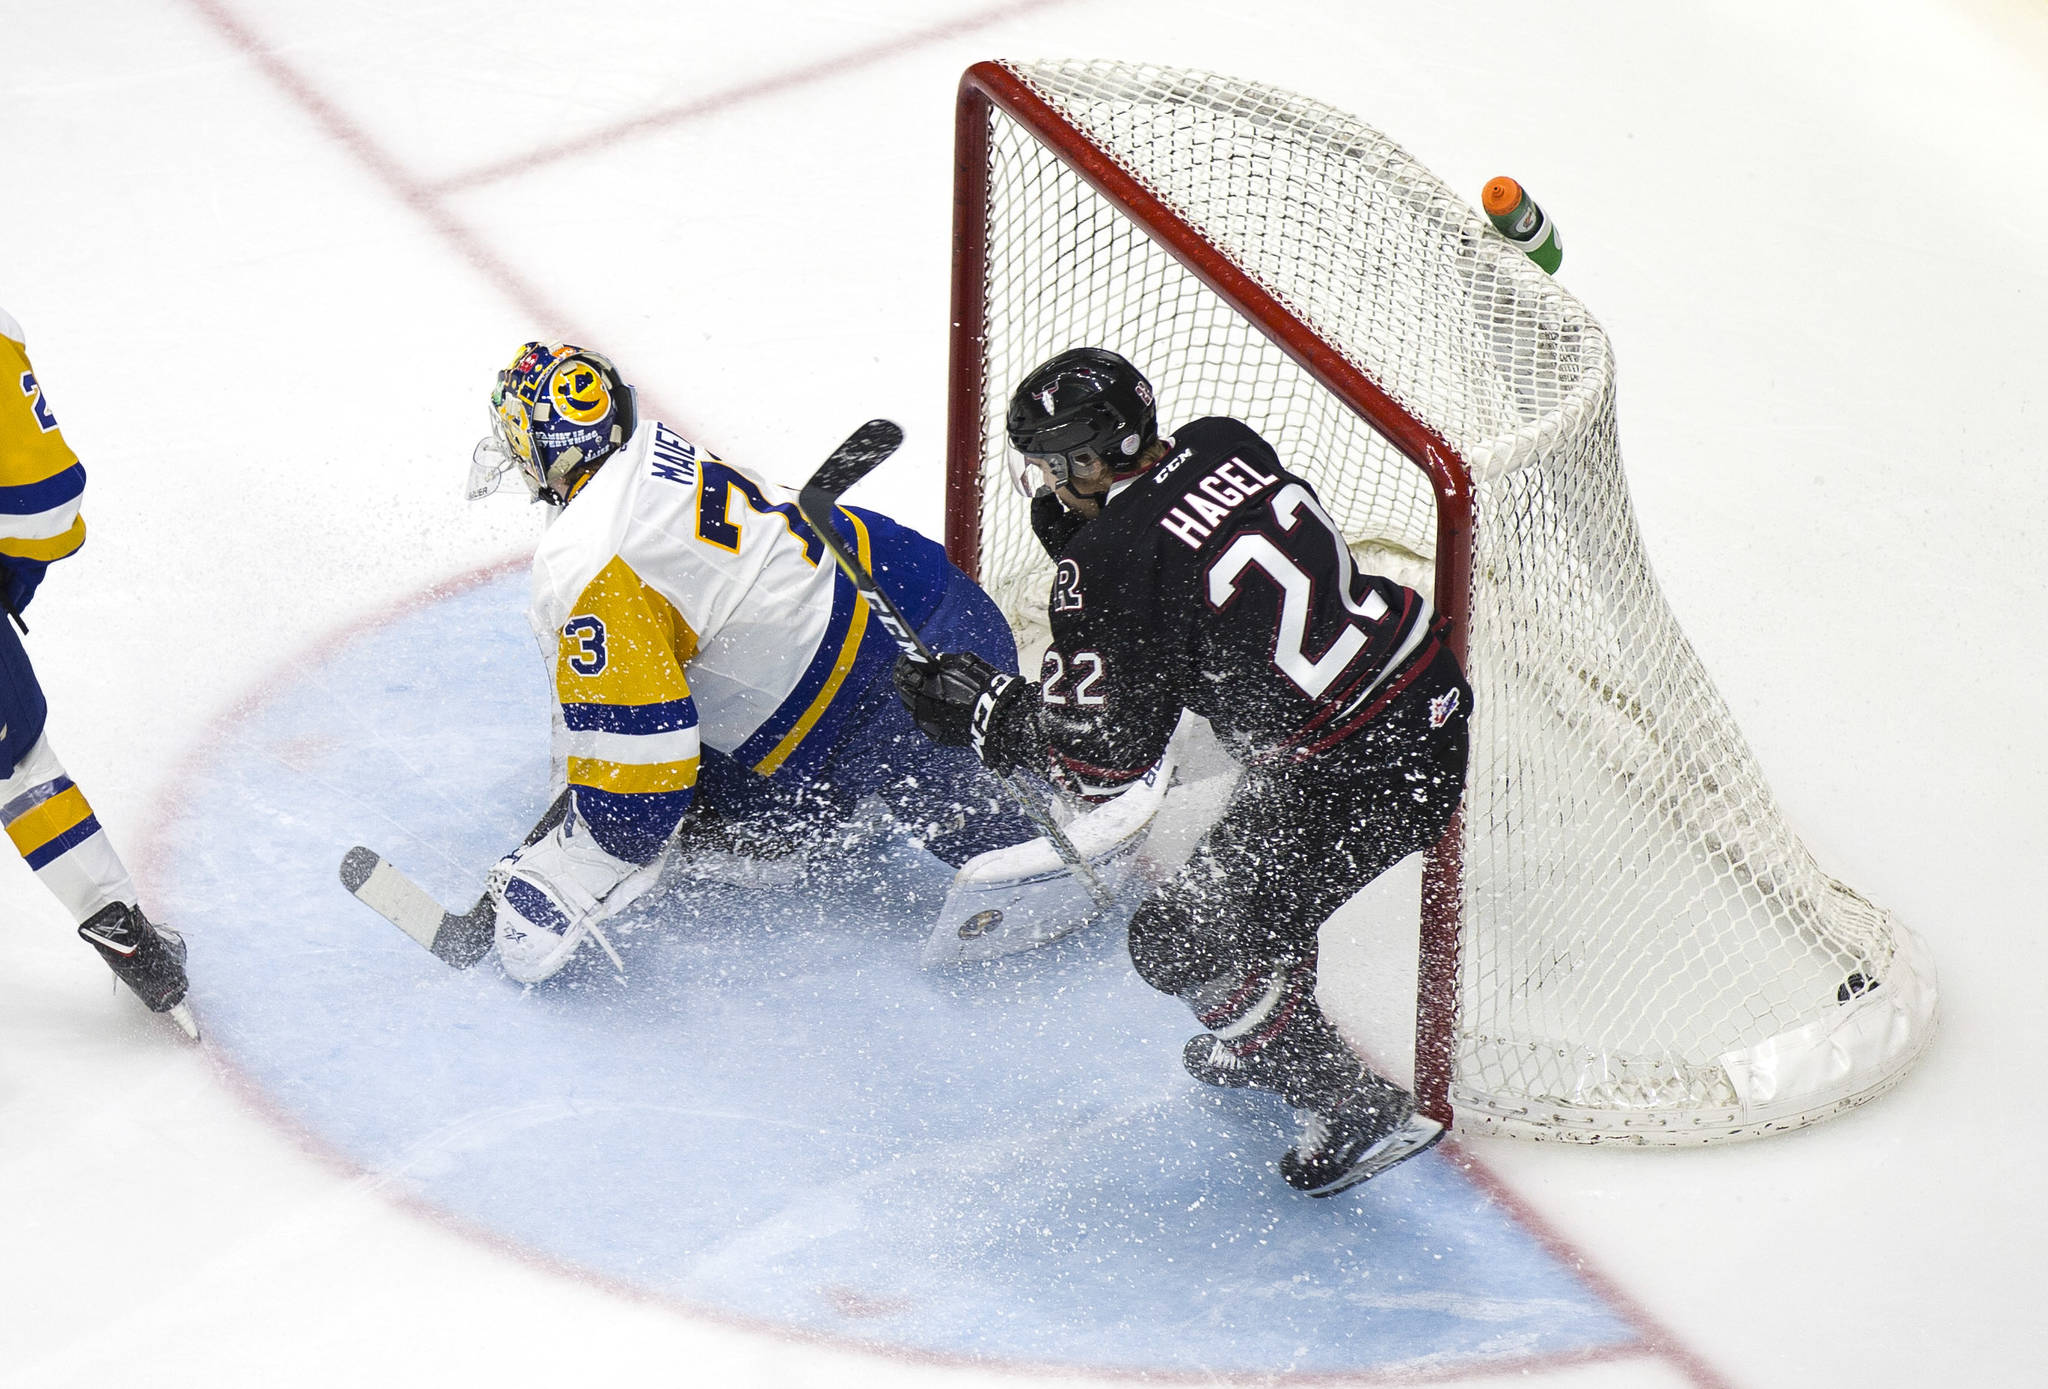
(1622,940)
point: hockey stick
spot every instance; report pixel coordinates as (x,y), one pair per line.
(853,460)
(457,940)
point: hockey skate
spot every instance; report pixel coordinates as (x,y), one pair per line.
(148,958)
(1372,1129)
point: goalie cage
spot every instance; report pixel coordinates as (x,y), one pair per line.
(1621,939)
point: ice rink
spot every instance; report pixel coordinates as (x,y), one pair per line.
(268,257)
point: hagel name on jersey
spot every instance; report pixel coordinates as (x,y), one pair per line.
(1229,484)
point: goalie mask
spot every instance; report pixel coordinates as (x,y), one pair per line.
(556,413)
(1085,405)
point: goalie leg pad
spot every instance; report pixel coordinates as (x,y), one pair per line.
(1023,896)
(549,894)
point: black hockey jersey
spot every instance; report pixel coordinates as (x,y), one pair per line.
(1213,582)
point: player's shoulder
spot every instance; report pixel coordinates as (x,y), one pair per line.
(653,480)
(39,474)
(1217,434)
(1214,470)
(588,533)
(1204,447)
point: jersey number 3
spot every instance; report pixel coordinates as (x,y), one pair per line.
(1313,675)
(588,634)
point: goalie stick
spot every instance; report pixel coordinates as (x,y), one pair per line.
(457,940)
(853,460)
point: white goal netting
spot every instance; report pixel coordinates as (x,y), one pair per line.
(1646,951)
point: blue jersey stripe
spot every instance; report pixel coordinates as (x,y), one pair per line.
(30,498)
(666,717)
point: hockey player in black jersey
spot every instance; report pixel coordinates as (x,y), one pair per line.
(1196,572)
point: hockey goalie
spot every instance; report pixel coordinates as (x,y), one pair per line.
(719,686)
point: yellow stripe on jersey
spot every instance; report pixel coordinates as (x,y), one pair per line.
(49,551)
(64,811)
(622,652)
(632,778)
(40,480)
(849,648)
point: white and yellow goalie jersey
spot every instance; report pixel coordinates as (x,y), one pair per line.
(41,480)
(684,605)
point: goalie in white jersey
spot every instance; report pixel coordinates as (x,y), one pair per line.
(702,643)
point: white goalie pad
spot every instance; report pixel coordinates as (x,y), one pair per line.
(1022,896)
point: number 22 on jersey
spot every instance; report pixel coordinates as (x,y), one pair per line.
(1313,675)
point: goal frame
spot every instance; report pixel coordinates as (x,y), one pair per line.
(987,87)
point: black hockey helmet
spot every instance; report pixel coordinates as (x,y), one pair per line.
(1085,404)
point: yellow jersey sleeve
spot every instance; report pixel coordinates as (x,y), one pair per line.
(41,480)
(632,743)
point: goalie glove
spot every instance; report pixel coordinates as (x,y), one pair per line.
(962,701)
(548,895)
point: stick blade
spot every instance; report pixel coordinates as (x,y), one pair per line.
(853,460)
(459,941)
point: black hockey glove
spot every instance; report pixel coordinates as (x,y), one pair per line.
(963,701)
(1052,522)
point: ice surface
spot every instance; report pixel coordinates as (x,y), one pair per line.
(267,257)
(778,1114)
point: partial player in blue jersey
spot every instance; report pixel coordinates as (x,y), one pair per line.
(45,813)
(716,678)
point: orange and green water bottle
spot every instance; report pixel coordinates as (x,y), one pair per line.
(1510,208)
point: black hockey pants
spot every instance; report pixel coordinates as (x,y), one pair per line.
(1299,838)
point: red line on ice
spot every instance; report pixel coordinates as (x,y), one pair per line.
(721,101)
(1654,1341)
(382,167)
(426,199)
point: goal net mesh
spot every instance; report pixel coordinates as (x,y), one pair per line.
(1646,951)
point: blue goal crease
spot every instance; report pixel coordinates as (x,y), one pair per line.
(778,1115)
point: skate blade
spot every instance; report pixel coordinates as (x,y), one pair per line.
(181,1014)
(1418,1135)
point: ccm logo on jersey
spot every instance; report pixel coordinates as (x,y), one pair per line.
(985,705)
(1193,518)
(1159,474)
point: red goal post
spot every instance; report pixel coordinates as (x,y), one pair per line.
(1620,939)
